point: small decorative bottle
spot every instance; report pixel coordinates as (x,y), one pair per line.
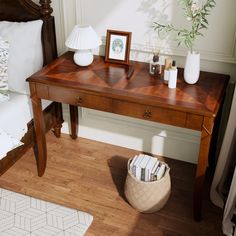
(168,63)
(173,76)
(154,66)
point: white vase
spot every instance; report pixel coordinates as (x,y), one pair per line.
(192,68)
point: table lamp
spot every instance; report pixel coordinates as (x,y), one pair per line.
(83,39)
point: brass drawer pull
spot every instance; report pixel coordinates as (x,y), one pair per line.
(147,114)
(79,99)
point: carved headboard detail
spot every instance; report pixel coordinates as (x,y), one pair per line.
(46,9)
(27,10)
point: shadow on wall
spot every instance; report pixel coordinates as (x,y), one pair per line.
(163,11)
(149,8)
(137,17)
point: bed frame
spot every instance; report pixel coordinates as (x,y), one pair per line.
(22,11)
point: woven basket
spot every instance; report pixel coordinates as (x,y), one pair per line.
(147,197)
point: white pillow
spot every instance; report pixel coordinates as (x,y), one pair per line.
(25,52)
(7,143)
(4,52)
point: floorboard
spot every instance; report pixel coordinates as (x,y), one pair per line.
(90,176)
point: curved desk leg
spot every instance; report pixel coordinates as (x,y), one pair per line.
(41,149)
(207,128)
(74,120)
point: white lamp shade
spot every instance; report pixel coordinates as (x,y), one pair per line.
(83,38)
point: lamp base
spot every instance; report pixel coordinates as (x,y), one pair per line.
(83,57)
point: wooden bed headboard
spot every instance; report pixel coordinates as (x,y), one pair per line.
(27,10)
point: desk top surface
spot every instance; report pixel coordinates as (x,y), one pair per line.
(111,80)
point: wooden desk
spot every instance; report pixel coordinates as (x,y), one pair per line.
(104,86)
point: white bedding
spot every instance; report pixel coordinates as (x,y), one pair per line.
(15,114)
(25,58)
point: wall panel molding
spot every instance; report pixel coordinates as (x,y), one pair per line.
(151,137)
(165,131)
(174,51)
(65,19)
(205,55)
(79,12)
(58,12)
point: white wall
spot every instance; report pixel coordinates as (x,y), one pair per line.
(217,50)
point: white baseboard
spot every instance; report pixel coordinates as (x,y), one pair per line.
(156,138)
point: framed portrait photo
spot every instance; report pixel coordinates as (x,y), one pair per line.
(118,46)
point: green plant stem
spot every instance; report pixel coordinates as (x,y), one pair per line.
(194,13)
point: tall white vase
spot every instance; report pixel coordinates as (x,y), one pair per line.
(192,68)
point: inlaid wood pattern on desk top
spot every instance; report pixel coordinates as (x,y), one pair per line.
(202,98)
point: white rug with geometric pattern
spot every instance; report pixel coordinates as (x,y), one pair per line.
(23,215)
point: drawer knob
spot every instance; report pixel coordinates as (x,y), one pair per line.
(147,114)
(79,99)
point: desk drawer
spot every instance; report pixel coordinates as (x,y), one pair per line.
(73,97)
(151,113)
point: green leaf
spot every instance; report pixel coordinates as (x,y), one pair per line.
(198,21)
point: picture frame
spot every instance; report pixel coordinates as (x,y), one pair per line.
(118,46)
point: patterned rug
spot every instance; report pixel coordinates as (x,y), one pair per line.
(23,215)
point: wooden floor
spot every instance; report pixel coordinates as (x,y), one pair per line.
(90,176)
